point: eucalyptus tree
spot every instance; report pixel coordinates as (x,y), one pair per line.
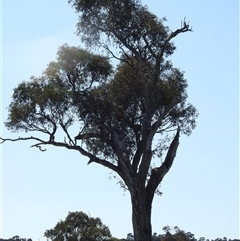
(124,115)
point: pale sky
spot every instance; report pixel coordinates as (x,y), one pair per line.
(201,191)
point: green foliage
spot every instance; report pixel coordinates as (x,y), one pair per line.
(79,226)
(126,23)
(79,86)
(48,102)
(37,105)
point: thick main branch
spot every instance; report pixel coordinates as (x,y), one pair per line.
(158,173)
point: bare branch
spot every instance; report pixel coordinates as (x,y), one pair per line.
(39,147)
(71,142)
(184,28)
(91,157)
(21,139)
(105,46)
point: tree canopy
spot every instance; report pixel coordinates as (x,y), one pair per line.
(120,116)
(79,226)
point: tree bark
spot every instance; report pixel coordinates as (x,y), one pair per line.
(141,217)
(142,196)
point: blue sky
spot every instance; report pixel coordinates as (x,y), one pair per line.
(201,191)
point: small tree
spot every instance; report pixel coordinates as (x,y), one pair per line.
(123,116)
(179,235)
(79,226)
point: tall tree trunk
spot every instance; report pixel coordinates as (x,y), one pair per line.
(141,217)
